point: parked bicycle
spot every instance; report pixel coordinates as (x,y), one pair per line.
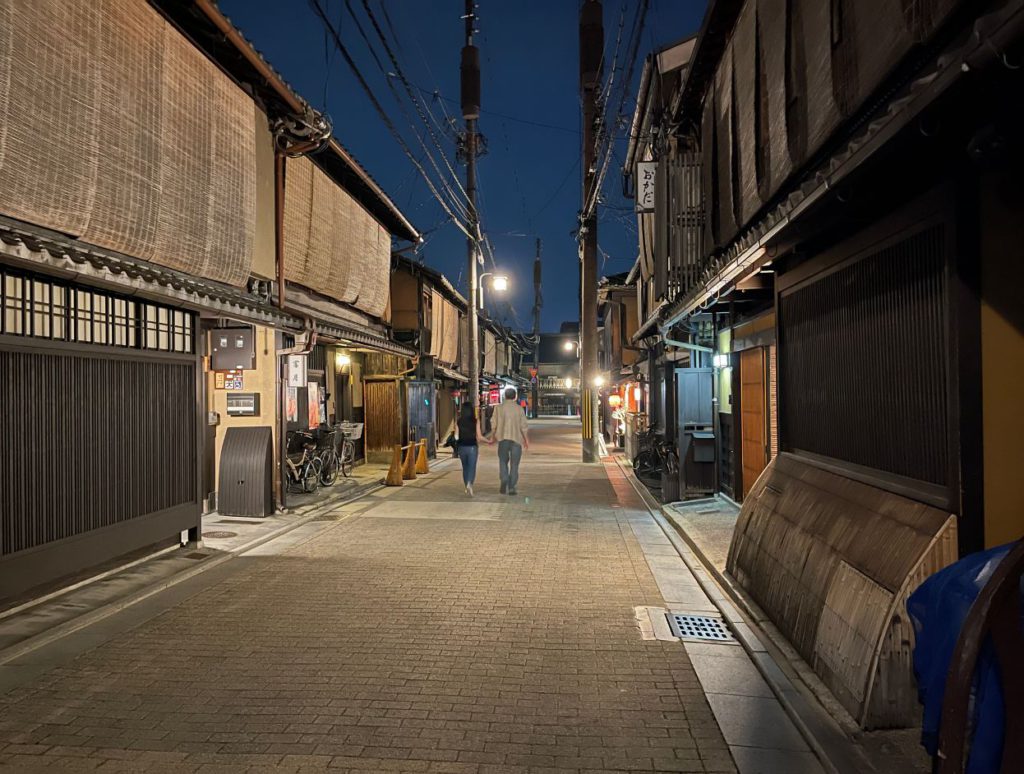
(327,453)
(303,464)
(656,456)
(350,433)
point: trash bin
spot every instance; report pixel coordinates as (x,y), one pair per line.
(246,483)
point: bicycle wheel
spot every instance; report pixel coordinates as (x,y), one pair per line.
(310,477)
(644,460)
(329,468)
(347,458)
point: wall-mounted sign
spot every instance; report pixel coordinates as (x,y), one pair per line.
(244,404)
(228,380)
(646,171)
(296,370)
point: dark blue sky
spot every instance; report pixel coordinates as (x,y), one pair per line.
(530,178)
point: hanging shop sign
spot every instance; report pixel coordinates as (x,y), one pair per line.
(293,404)
(296,370)
(646,171)
(313,406)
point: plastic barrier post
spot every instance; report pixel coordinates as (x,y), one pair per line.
(409,466)
(394,476)
(422,464)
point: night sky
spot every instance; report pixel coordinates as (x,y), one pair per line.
(530,177)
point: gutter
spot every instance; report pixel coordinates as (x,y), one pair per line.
(649,323)
(633,272)
(638,117)
(686,345)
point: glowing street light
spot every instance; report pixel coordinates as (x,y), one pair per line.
(599,381)
(499,283)
(568,384)
(569,345)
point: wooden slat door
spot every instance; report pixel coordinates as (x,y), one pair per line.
(383,427)
(753,420)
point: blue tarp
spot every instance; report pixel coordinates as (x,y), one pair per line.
(938,610)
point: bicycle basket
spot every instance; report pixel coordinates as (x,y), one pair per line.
(325,439)
(352,430)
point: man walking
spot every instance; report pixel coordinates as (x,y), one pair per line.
(509,429)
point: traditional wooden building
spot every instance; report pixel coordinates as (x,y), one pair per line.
(835,242)
(428,313)
(164,243)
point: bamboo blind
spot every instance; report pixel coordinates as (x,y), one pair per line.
(444,323)
(490,353)
(116,130)
(332,245)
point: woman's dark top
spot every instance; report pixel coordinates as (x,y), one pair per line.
(467,432)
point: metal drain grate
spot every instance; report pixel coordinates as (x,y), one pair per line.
(219,535)
(699,627)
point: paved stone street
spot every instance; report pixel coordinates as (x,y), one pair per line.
(414,630)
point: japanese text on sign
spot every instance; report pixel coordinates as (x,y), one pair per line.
(645,175)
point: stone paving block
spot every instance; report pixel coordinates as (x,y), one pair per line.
(405,643)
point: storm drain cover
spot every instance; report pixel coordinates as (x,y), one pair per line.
(699,627)
(218,535)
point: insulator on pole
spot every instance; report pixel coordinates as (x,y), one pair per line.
(470,82)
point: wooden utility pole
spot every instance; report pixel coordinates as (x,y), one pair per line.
(591,49)
(535,377)
(470,71)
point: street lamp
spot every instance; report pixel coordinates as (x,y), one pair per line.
(599,381)
(568,384)
(498,284)
(568,346)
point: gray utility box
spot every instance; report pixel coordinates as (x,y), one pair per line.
(246,484)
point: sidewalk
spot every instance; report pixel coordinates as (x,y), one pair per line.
(416,629)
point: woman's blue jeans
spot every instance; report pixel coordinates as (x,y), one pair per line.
(468,455)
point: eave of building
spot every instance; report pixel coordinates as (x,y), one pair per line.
(451,373)
(34,248)
(214,34)
(749,251)
(434,277)
(715,32)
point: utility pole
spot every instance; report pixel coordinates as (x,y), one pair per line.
(591,50)
(536,329)
(470,71)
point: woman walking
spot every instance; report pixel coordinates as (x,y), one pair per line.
(469,444)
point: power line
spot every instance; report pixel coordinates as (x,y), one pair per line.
(558,190)
(506,116)
(383,114)
(452,195)
(412,96)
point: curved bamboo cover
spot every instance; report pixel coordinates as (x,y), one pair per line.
(831,561)
(115,129)
(331,244)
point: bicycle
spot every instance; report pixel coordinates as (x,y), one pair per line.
(350,433)
(328,456)
(656,455)
(303,473)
